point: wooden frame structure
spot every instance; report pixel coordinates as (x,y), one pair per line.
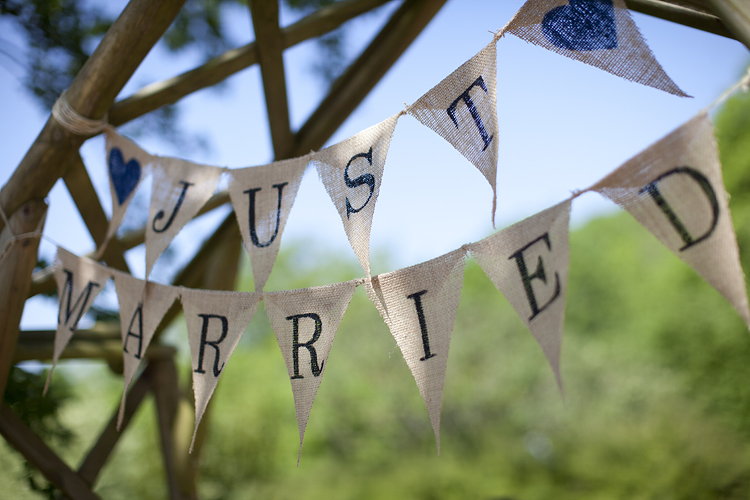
(54,155)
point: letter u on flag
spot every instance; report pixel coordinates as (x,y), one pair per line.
(180,190)
(215,322)
(528,262)
(262,198)
(352,172)
(419,306)
(597,32)
(305,323)
(462,109)
(675,189)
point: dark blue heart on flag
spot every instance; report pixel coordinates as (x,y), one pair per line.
(583,25)
(125,176)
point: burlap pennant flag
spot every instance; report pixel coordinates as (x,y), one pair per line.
(305,323)
(419,306)
(528,262)
(675,189)
(262,198)
(180,190)
(597,32)
(79,281)
(352,172)
(128,165)
(215,322)
(142,307)
(462,109)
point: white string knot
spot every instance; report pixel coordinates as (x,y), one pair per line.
(74,122)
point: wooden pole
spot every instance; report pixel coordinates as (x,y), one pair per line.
(736,16)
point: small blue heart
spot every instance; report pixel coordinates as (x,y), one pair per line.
(125,176)
(582,25)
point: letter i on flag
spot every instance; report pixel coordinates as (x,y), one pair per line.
(79,281)
(675,189)
(528,262)
(262,198)
(597,32)
(419,306)
(215,322)
(462,109)
(305,323)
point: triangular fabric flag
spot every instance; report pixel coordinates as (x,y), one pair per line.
(262,198)
(215,322)
(528,262)
(462,109)
(352,172)
(128,165)
(142,307)
(305,323)
(180,189)
(675,189)
(79,281)
(597,32)
(419,306)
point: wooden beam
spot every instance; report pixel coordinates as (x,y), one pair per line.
(359,79)
(736,16)
(91,94)
(19,258)
(38,453)
(691,15)
(222,67)
(270,50)
(167,395)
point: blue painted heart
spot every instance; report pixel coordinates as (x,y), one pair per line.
(125,176)
(583,25)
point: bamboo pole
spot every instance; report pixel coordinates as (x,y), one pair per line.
(694,15)
(736,16)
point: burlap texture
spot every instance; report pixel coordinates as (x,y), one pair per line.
(528,262)
(272,189)
(215,322)
(675,189)
(352,172)
(597,32)
(180,189)
(462,109)
(419,306)
(308,320)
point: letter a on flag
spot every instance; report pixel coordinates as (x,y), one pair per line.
(79,281)
(262,198)
(462,109)
(597,32)
(215,322)
(528,262)
(419,306)
(352,172)
(305,323)
(675,189)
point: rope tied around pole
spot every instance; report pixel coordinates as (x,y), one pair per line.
(74,122)
(14,238)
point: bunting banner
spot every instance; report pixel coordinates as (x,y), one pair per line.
(352,172)
(179,192)
(462,109)
(597,32)
(675,190)
(305,323)
(215,322)
(419,306)
(262,213)
(528,263)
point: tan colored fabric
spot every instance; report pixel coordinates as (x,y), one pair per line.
(142,307)
(79,281)
(528,262)
(272,190)
(597,32)
(127,165)
(305,322)
(215,322)
(462,109)
(352,172)
(675,189)
(180,189)
(419,306)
